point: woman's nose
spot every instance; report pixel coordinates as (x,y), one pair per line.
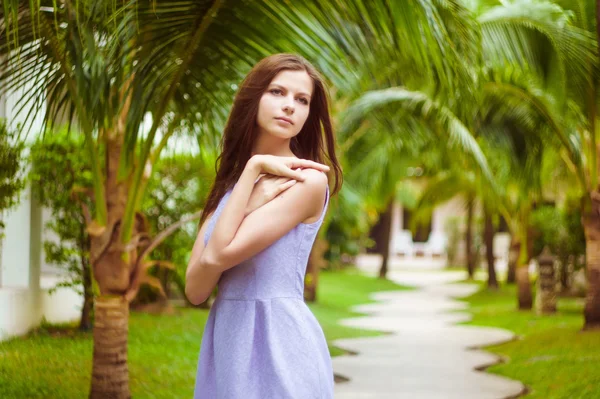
(288,108)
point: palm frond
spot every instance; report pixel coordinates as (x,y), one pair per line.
(534,112)
(420,105)
(539,36)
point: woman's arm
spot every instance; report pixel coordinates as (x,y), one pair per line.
(199,283)
(270,222)
(200,277)
(236,238)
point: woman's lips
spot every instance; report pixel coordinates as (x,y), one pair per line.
(285,120)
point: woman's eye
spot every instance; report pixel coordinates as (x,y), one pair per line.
(303,100)
(275,91)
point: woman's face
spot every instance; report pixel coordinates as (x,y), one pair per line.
(284,106)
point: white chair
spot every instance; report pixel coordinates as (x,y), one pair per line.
(403,243)
(501,246)
(436,244)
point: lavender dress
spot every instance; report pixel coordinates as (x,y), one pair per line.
(261,341)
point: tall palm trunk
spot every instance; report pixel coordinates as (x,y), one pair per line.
(311,281)
(591,225)
(386,226)
(313,267)
(112,270)
(524,288)
(489,250)
(564,270)
(513,257)
(110,374)
(469,241)
(524,294)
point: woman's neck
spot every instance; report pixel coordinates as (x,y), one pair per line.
(283,152)
(269,145)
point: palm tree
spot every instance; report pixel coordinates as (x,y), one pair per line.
(434,123)
(375,45)
(379,168)
(517,152)
(107,66)
(510,34)
(563,91)
(583,158)
(381,46)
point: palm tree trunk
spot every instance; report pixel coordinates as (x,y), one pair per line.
(469,241)
(489,250)
(112,268)
(564,269)
(310,282)
(513,257)
(312,276)
(386,226)
(524,288)
(313,267)
(525,298)
(591,225)
(110,374)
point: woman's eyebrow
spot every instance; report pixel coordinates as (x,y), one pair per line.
(284,88)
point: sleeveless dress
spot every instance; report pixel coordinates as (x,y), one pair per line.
(261,341)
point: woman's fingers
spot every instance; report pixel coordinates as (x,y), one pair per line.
(305,163)
(291,167)
(282,179)
(296,175)
(286,185)
(281,188)
(286,172)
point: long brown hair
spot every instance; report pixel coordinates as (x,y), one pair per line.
(241,129)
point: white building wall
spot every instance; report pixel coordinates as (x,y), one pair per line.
(24,297)
(454,208)
(20,295)
(19,312)
(14,265)
(24,291)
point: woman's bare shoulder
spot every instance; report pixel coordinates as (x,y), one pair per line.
(314,176)
(318,181)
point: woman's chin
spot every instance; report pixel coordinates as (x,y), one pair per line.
(283,134)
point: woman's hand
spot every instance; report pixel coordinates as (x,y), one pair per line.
(285,166)
(266,189)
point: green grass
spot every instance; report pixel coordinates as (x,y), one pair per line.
(163,349)
(552,356)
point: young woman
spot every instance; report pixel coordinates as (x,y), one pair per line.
(262,216)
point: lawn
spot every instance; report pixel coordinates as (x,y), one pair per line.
(163,350)
(552,356)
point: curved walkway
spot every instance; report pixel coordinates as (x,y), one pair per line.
(426,356)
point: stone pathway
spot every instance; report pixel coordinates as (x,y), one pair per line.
(425,356)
